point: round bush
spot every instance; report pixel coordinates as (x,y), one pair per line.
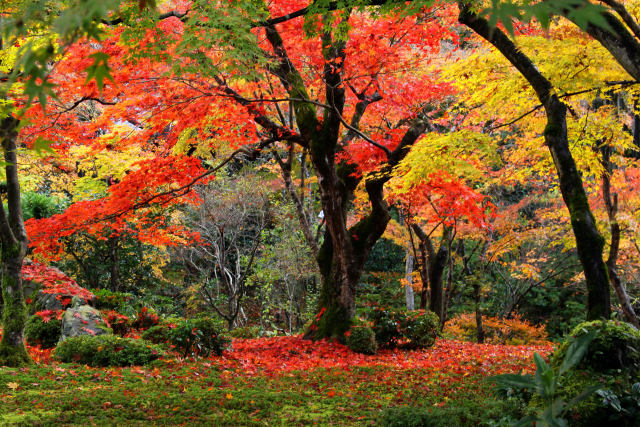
(44,334)
(420,328)
(199,337)
(158,334)
(362,339)
(616,346)
(106,350)
(385,327)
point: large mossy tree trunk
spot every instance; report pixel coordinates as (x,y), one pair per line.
(13,241)
(589,241)
(344,251)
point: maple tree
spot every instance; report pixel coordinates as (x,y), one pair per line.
(329,71)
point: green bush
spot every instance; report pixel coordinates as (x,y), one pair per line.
(406,416)
(106,350)
(246,332)
(420,328)
(385,327)
(362,339)
(616,346)
(199,337)
(465,413)
(158,334)
(44,334)
(416,328)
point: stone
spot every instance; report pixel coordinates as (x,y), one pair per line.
(82,320)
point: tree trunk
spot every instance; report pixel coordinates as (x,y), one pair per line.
(344,251)
(408,288)
(436,261)
(13,240)
(611,204)
(589,242)
(477,298)
(114,277)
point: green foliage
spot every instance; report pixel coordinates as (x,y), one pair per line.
(407,416)
(246,332)
(385,327)
(420,328)
(158,334)
(362,339)
(616,346)
(621,409)
(37,205)
(552,409)
(106,350)
(468,412)
(44,334)
(199,337)
(582,13)
(386,255)
(108,300)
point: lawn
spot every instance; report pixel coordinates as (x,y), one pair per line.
(266,381)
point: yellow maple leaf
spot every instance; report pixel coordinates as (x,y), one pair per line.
(13,386)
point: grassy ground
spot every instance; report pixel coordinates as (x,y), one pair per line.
(278,381)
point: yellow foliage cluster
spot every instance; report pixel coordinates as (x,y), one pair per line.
(513,331)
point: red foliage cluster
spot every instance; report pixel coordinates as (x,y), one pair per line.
(273,356)
(54,281)
(38,354)
(145,319)
(116,321)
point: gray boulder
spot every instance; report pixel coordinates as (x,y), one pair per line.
(82,320)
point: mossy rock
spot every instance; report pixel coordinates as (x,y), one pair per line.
(107,350)
(614,350)
(83,320)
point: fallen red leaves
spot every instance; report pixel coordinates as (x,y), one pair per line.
(272,356)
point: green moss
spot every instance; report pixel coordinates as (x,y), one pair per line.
(615,348)
(12,349)
(44,334)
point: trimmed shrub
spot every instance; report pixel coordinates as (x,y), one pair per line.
(107,350)
(616,346)
(159,334)
(514,331)
(385,327)
(420,328)
(415,329)
(362,339)
(45,334)
(199,337)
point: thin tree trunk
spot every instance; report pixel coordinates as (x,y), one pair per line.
(408,288)
(611,204)
(477,298)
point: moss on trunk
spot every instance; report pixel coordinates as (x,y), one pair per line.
(12,349)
